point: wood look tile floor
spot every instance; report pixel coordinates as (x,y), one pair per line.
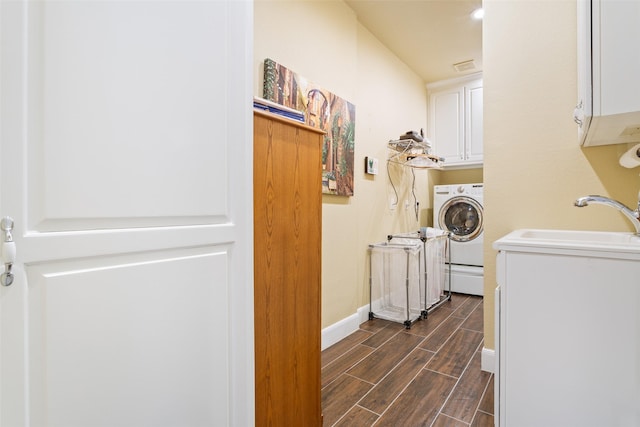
(429,375)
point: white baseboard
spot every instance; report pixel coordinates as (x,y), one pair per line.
(488,360)
(345,327)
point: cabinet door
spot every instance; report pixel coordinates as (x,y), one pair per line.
(583,111)
(589,379)
(615,42)
(447,128)
(608,109)
(287,270)
(473,121)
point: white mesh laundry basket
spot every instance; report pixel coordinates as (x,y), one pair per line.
(436,245)
(407,275)
(394,281)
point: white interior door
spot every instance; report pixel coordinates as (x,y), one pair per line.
(125,164)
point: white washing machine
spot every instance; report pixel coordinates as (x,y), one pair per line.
(459,209)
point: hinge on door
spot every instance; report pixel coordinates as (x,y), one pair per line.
(578,114)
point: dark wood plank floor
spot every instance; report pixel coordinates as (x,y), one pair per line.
(429,375)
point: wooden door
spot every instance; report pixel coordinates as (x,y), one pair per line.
(287,250)
(125,130)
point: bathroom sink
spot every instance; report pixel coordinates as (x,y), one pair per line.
(575,240)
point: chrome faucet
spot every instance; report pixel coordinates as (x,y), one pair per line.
(633,216)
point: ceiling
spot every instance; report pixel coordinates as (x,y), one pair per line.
(428,35)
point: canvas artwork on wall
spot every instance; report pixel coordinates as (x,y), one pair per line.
(323,110)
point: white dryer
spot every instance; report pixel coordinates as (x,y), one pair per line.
(459,209)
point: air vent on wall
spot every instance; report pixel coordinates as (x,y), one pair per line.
(465,66)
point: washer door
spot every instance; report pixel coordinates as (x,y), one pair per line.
(463,217)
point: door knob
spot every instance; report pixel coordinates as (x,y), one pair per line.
(8,251)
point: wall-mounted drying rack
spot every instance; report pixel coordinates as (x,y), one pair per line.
(412,153)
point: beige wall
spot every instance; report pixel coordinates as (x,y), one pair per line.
(322,41)
(533,166)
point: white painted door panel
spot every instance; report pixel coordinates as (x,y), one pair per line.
(447,125)
(125,139)
(474,121)
(134,92)
(123,341)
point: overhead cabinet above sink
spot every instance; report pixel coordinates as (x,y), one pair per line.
(608,109)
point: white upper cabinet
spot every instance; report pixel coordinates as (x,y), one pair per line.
(455,121)
(608,109)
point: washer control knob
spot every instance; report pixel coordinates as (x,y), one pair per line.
(461,189)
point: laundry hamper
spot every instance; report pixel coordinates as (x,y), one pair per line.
(407,275)
(394,281)
(436,255)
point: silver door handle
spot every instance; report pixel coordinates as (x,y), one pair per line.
(8,251)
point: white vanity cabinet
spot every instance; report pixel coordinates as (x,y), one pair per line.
(567,329)
(455,121)
(608,109)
